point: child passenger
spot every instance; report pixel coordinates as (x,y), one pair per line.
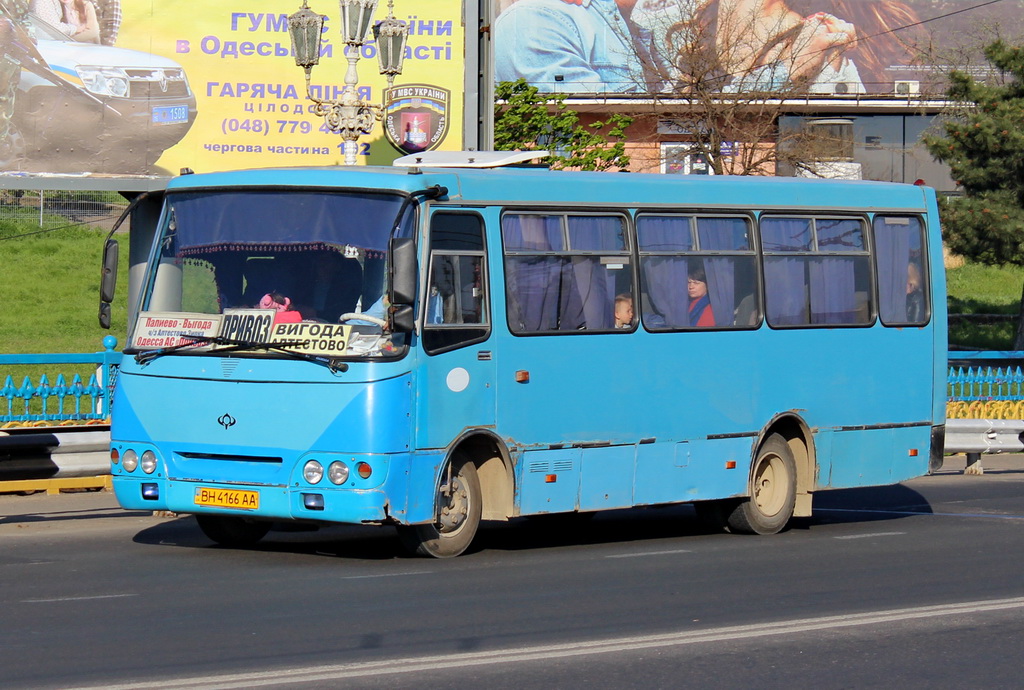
(286,313)
(624,311)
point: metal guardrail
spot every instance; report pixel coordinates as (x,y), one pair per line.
(59,401)
(978,436)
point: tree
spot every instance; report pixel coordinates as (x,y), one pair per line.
(526,119)
(983,145)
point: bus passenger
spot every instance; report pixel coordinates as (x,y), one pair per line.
(915,294)
(286,313)
(624,310)
(700,305)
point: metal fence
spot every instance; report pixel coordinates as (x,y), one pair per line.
(50,209)
(985,385)
(58,401)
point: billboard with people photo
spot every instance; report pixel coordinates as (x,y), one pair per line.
(741,46)
(127,87)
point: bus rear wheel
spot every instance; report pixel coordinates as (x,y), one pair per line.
(772,491)
(459,508)
(231,531)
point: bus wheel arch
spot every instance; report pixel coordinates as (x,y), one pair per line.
(780,481)
(474,484)
(798,436)
(494,468)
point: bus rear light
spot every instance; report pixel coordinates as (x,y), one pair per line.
(730,464)
(364,470)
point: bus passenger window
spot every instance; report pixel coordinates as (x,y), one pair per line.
(697,272)
(563,272)
(816,271)
(900,262)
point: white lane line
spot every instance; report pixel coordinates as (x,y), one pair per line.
(527,654)
(648,553)
(870,534)
(919,512)
(370,577)
(98,596)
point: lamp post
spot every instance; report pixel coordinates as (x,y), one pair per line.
(349,116)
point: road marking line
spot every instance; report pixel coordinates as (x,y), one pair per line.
(648,553)
(537,653)
(370,577)
(98,596)
(871,534)
(918,512)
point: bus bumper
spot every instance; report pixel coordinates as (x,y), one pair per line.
(322,504)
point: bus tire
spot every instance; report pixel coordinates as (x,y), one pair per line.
(772,491)
(232,531)
(457,520)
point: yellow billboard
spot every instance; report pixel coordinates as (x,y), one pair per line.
(159,86)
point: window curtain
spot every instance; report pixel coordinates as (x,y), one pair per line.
(534,282)
(590,280)
(892,248)
(666,304)
(833,291)
(785,276)
(721,234)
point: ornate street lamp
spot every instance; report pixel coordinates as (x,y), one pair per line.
(349,116)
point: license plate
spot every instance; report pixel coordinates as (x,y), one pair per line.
(170,114)
(227,498)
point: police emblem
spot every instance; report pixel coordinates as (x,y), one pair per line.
(416,116)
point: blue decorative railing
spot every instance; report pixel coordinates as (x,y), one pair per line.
(60,401)
(974,377)
(986,376)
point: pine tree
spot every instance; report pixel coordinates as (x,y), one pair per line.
(984,148)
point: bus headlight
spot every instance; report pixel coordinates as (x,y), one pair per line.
(130,460)
(148,462)
(337,472)
(313,472)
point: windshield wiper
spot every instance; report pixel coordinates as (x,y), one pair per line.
(233,345)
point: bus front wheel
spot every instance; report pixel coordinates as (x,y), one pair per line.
(772,491)
(458,515)
(231,531)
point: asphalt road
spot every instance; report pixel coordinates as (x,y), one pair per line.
(915,586)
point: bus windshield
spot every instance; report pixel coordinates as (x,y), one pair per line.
(304,268)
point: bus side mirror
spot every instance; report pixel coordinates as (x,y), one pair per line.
(403,319)
(403,271)
(108,281)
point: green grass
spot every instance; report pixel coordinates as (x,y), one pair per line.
(51,298)
(978,289)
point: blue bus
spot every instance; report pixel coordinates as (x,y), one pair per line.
(433,345)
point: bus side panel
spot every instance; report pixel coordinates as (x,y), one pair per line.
(606,480)
(878,456)
(660,472)
(549,481)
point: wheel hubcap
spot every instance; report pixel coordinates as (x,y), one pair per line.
(454,506)
(770,485)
